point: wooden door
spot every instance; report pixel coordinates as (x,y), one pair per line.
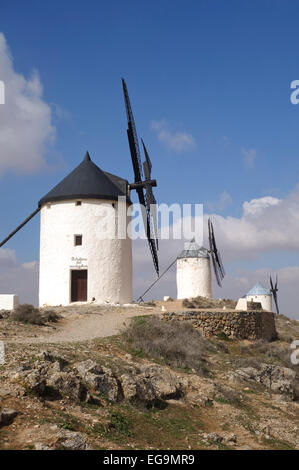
(79,286)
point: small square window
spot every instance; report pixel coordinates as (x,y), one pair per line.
(78,240)
(78,203)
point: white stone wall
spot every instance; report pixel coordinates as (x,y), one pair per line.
(242,304)
(193,278)
(108,261)
(265,300)
(8,301)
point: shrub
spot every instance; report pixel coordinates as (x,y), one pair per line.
(259,346)
(204,302)
(176,343)
(4,314)
(27,313)
(228,395)
(188,304)
(243,362)
(150,303)
(50,316)
(223,336)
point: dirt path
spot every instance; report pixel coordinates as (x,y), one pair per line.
(84,326)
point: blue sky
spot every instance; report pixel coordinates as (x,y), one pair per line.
(214,73)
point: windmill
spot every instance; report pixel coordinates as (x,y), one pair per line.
(143,187)
(76,263)
(274,290)
(193,274)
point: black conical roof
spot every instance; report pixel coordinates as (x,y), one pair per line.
(87,181)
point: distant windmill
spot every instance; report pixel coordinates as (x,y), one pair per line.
(193,273)
(274,290)
(76,264)
(194,268)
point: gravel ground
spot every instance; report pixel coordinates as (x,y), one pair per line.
(83,323)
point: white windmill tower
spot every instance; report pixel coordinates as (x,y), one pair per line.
(82,256)
(193,273)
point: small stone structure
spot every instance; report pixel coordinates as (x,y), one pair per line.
(8,301)
(251,325)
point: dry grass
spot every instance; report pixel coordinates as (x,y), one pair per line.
(203,302)
(50,316)
(27,313)
(175,343)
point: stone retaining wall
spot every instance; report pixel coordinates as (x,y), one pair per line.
(236,325)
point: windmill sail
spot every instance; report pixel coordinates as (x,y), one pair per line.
(274,290)
(215,255)
(145,199)
(150,198)
(132,137)
(19,227)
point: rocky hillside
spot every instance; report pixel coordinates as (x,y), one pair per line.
(154,386)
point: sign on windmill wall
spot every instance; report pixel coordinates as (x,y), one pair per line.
(78,262)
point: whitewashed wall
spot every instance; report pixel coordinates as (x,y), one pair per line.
(265,300)
(8,301)
(193,278)
(242,304)
(108,261)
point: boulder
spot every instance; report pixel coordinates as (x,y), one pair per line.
(35,382)
(41,446)
(281,380)
(213,437)
(69,440)
(88,366)
(68,385)
(151,383)
(165,383)
(136,388)
(231,439)
(51,382)
(7,416)
(101,379)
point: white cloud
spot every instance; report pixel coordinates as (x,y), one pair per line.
(249,157)
(267,225)
(25,119)
(224,201)
(257,206)
(177,141)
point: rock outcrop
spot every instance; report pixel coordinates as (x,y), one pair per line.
(144,384)
(280,380)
